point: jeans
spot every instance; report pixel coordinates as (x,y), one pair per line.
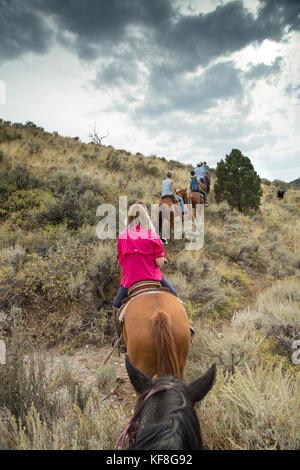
(181,202)
(201,191)
(122,293)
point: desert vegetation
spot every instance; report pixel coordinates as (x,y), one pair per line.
(58,281)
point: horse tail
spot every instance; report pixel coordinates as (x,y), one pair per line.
(160,222)
(166,352)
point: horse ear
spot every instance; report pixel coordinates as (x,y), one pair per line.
(200,387)
(139,380)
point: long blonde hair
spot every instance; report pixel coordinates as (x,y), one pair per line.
(138,215)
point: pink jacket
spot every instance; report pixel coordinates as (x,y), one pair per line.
(137,250)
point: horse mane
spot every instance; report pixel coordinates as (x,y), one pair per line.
(179,429)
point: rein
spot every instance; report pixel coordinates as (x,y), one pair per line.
(131,428)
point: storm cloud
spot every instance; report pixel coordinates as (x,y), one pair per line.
(162,66)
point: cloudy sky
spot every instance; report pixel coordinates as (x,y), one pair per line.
(185,79)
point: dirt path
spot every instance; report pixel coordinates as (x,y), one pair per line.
(84,364)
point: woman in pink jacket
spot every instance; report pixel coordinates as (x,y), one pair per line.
(140,253)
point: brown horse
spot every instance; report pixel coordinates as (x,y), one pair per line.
(157,334)
(195,198)
(183,194)
(168,209)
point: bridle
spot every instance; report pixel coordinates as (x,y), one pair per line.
(130,430)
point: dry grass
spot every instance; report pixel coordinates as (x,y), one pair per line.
(58,281)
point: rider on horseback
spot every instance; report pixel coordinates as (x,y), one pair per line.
(141,254)
(168,190)
(195,187)
(207,177)
(200,172)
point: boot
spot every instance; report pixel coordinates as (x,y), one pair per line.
(121,346)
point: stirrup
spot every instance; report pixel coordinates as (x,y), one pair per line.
(192,331)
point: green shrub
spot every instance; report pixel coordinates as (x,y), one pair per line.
(276,314)
(189,266)
(20,176)
(283,262)
(218,211)
(228,348)
(33,148)
(106,377)
(246,252)
(102,270)
(180,284)
(255,409)
(55,277)
(23,383)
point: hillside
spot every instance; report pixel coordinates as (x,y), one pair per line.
(295,182)
(57,283)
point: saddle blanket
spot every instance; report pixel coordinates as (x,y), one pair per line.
(154,291)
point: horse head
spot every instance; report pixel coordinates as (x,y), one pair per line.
(183,193)
(165,417)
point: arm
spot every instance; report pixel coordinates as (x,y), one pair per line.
(172,187)
(160,261)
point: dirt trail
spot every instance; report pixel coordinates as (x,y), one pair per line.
(84,364)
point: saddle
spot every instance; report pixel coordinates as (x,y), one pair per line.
(172,197)
(134,291)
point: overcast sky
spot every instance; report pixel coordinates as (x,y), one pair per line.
(185,79)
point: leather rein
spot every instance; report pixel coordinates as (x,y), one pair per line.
(130,430)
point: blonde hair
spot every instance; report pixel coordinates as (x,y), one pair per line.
(138,215)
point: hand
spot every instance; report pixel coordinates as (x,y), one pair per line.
(160,261)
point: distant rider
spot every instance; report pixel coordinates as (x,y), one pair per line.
(168,189)
(195,187)
(207,176)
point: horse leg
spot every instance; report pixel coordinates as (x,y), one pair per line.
(145,362)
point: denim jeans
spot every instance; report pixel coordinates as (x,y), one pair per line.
(122,293)
(181,202)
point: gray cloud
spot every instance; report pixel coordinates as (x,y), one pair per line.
(180,62)
(22,30)
(278,14)
(100,27)
(104,25)
(262,70)
(192,95)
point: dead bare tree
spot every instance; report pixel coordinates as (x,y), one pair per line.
(94,136)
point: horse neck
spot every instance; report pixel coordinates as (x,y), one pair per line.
(183,195)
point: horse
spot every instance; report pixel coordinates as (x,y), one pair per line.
(165,417)
(168,209)
(156,332)
(194,198)
(183,194)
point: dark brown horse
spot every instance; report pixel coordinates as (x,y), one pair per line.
(168,209)
(157,334)
(183,194)
(194,198)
